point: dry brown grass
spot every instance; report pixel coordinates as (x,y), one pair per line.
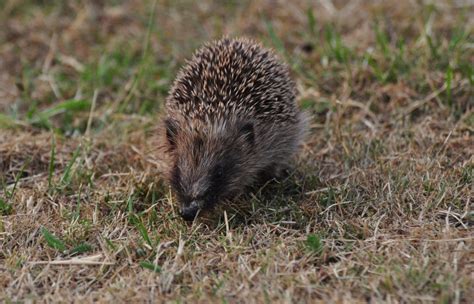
(380,208)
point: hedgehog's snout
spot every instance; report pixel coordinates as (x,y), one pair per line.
(190,211)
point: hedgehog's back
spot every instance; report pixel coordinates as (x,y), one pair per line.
(234,77)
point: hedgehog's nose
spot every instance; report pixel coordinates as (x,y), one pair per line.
(189,212)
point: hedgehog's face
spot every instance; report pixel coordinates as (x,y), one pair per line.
(208,163)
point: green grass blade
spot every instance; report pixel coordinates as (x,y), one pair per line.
(311,21)
(18,176)
(7,122)
(142,66)
(81,248)
(314,244)
(150,266)
(70,106)
(449,80)
(135,220)
(53,241)
(276,41)
(433,47)
(382,40)
(5,208)
(51,161)
(66,178)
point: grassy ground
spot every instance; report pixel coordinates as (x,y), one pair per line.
(379,209)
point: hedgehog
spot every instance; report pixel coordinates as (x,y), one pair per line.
(231,122)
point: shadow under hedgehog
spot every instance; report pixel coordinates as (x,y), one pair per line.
(231,119)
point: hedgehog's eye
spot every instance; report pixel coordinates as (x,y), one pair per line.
(247,131)
(219,173)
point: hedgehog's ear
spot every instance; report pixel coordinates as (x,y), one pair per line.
(171,130)
(247,131)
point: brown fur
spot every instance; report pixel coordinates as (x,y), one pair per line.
(231,117)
